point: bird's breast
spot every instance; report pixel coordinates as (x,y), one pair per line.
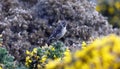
(63,32)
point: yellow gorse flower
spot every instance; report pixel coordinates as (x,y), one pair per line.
(67,56)
(111,10)
(117,5)
(28,61)
(34,50)
(103,53)
(98,8)
(43,58)
(84,45)
(28,52)
(52,48)
(51,64)
(0,67)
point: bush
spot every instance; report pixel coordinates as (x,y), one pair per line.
(40,56)
(101,54)
(7,61)
(24,28)
(111,9)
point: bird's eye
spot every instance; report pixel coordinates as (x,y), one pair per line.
(64,24)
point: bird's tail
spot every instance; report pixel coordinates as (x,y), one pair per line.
(48,41)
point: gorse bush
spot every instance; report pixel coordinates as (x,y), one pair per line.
(40,56)
(103,53)
(111,9)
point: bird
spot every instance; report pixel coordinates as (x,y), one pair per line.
(58,32)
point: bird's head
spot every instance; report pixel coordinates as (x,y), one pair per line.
(63,23)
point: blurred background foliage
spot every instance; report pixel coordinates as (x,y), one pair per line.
(111,9)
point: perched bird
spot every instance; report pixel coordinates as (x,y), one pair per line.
(58,32)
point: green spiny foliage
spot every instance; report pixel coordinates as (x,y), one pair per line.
(7,61)
(59,49)
(53,51)
(40,56)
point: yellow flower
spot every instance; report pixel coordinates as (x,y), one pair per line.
(0,67)
(57,59)
(47,52)
(67,56)
(85,66)
(78,64)
(117,5)
(27,64)
(28,59)
(34,50)
(84,45)
(80,54)
(43,58)
(52,48)
(27,52)
(96,60)
(111,10)
(98,8)
(46,46)
(69,67)
(103,53)
(51,65)
(39,66)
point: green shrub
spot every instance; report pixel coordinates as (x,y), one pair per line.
(39,56)
(7,61)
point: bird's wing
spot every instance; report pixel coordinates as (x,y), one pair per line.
(55,32)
